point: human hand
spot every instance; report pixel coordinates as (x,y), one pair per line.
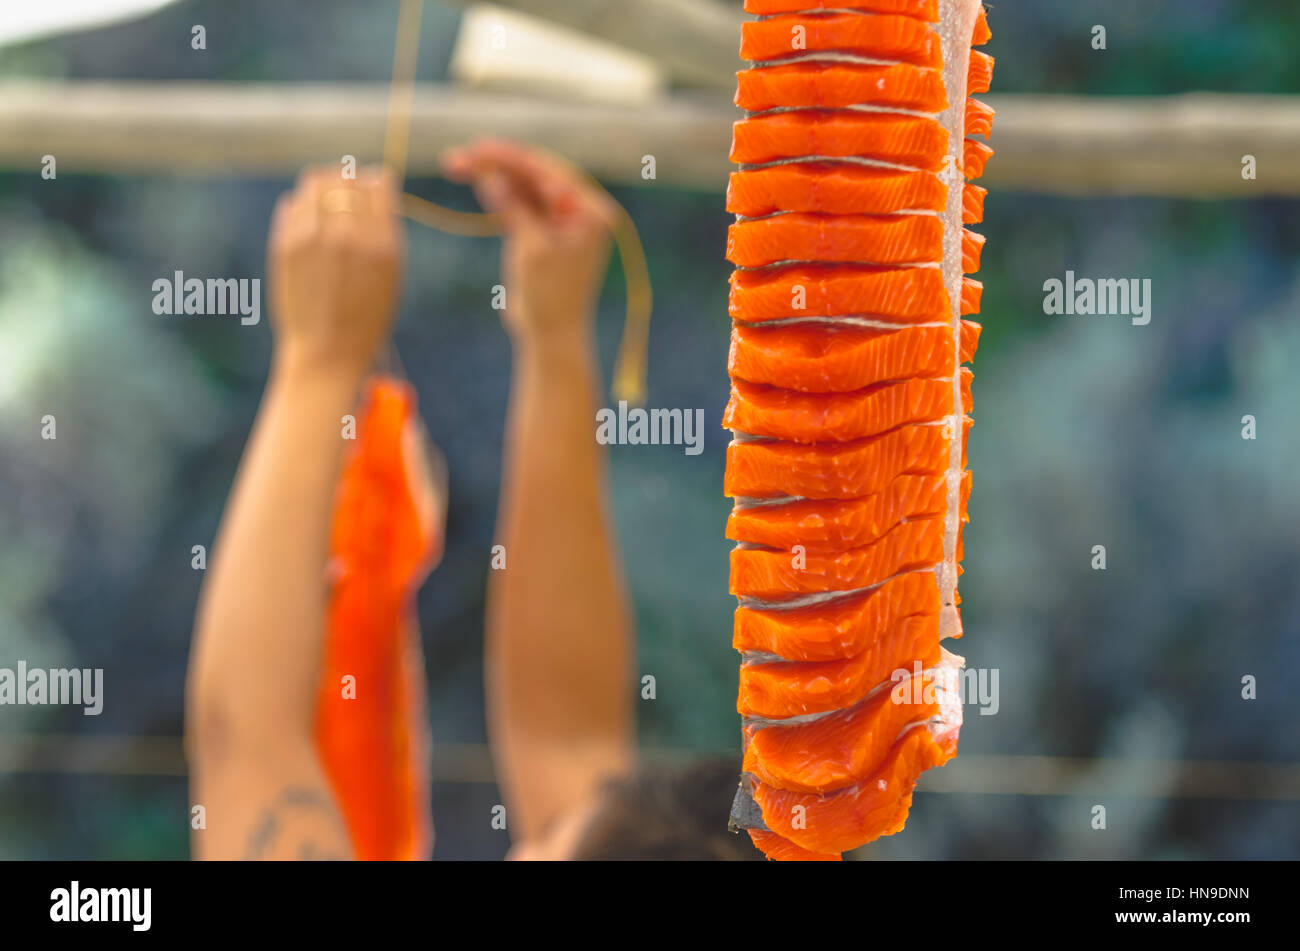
(556,235)
(335,256)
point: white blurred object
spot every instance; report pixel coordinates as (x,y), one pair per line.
(504,50)
(23,20)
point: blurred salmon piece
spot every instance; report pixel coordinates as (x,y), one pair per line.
(783,850)
(384,539)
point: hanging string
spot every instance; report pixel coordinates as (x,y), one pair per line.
(630,369)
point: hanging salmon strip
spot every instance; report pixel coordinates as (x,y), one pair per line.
(851,405)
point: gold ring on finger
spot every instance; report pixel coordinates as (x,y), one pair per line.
(346,200)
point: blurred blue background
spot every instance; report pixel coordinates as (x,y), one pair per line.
(1089,431)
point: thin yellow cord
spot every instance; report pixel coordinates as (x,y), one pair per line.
(630,368)
(401,88)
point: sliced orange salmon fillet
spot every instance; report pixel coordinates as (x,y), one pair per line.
(830,188)
(768,468)
(980,74)
(927,10)
(779,689)
(839,524)
(762,410)
(876,239)
(976,156)
(823,85)
(783,850)
(837,359)
(846,363)
(972,204)
(979,118)
(912,141)
(850,817)
(844,747)
(770,575)
(841,628)
(906,295)
(972,246)
(982,33)
(883,36)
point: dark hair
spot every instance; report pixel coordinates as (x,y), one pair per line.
(668,813)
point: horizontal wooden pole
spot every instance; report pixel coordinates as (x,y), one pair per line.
(223,129)
(1190,146)
(1185,146)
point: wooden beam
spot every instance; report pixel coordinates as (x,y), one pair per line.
(696,41)
(1184,146)
(224,129)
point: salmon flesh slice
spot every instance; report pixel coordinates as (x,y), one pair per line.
(927,10)
(762,410)
(889,295)
(767,468)
(883,37)
(384,539)
(783,850)
(839,628)
(818,359)
(832,85)
(877,803)
(826,188)
(772,575)
(842,748)
(777,690)
(869,137)
(880,239)
(851,405)
(839,524)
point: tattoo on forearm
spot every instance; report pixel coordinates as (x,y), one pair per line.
(275,828)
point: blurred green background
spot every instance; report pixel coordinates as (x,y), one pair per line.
(1088,431)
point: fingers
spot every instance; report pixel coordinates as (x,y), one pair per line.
(500,195)
(373,191)
(547,187)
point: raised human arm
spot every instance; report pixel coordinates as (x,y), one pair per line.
(559,639)
(334,256)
